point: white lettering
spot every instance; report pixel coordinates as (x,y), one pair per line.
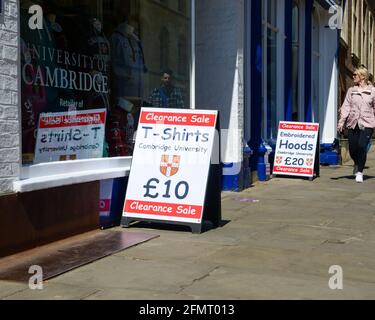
(336,21)
(36,281)
(64,83)
(87,84)
(24,75)
(51,81)
(73,77)
(336,281)
(36,20)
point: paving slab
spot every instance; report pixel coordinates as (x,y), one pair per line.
(240,284)
(53,291)
(278,241)
(131,294)
(122,273)
(169,251)
(9,288)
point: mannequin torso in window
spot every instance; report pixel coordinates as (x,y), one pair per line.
(127,62)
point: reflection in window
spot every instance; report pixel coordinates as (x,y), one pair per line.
(182,60)
(102,55)
(165,2)
(182,6)
(164,48)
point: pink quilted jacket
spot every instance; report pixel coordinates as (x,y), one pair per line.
(358,108)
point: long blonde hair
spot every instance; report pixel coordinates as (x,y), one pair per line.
(364,73)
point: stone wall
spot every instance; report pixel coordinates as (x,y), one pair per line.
(9,111)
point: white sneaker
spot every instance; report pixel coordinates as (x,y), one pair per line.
(359,177)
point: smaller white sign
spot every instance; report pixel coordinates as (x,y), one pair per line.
(296,149)
(70,135)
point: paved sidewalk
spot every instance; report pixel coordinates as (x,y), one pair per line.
(279,244)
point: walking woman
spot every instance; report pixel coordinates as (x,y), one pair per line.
(357,114)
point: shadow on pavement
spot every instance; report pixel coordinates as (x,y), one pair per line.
(352,177)
(223,223)
(206,226)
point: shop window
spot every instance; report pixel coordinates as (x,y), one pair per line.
(164,48)
(355,28)
(295,59)
(315,66)
(271,66)
(345,30)
(182,6)
(109,5)
(269,72)
(371,46)
(87,72)
(182,60)
(364,48)
(164,2)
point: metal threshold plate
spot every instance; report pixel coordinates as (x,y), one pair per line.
(62,256)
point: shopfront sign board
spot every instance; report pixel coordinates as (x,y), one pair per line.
(296,149)
(170,167)
(70,135)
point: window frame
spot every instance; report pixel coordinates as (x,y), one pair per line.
(316,20)
(300,65)
(355,27)
(279,33)
(364,33)
(371,43)
(55,174)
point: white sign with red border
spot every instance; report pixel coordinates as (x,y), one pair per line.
(70,135)
(296,149)
(170,167)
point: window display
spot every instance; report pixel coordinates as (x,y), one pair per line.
(105,56)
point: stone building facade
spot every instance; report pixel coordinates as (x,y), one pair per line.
(248,59)
(357,41)
(9,101)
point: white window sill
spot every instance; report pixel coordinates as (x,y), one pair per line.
(58,174)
